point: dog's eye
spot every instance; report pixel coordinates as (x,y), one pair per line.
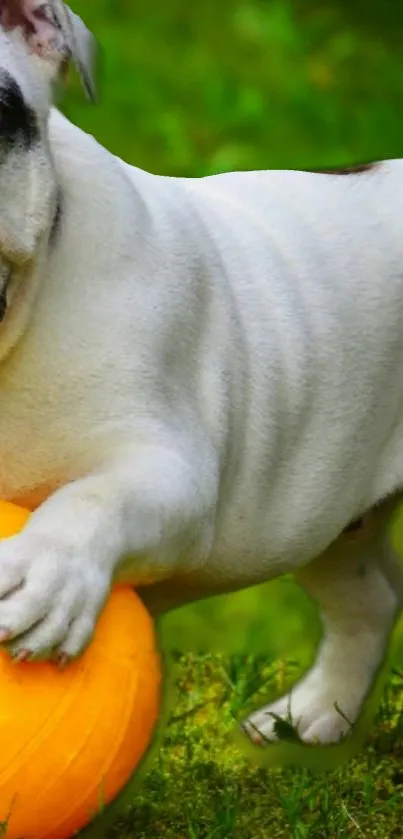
(18,122)
(8,120)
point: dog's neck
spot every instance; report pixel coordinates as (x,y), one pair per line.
(6,270)
(19,286)
(57,218)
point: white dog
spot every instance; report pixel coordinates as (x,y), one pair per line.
(201,383)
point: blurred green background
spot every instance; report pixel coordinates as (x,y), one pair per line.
(193,88)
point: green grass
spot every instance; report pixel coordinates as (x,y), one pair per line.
(202,783)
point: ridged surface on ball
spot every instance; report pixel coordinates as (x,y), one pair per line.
(71,739)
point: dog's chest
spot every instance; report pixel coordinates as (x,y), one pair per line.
(42,429)
(34,453)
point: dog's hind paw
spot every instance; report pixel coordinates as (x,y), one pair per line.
(301,716)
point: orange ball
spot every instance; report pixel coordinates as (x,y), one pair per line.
(71,739)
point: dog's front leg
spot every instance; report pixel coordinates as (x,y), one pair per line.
(131,520)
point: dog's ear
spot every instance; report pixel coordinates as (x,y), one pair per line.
(80,43)
(53,32)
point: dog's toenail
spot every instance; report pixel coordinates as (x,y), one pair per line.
(22,655)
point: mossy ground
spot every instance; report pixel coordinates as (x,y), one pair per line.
(202,785)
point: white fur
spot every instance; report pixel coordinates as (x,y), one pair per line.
(201,381)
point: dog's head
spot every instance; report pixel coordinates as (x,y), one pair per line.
(50,35)
(38,39)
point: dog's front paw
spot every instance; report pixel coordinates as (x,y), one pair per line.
(50,596)
(312,713)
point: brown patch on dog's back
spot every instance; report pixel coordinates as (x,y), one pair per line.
(346,170)
(354,526)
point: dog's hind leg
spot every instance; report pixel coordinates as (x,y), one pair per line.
(358,585)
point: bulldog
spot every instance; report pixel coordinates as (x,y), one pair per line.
(201,384)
